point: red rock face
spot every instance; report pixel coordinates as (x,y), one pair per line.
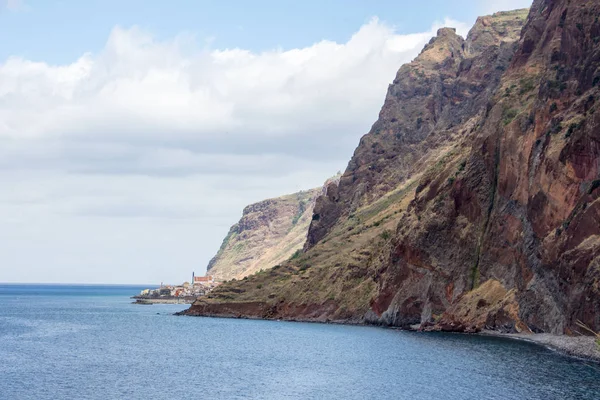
(547,185)
(528,187)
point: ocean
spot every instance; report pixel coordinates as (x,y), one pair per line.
(90,342)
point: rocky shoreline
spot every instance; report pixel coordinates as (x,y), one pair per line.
(582,347)
(163,300)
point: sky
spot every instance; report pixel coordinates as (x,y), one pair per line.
(133,133)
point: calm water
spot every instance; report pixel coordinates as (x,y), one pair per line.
(89,342)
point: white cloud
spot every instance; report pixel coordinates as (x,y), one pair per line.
(137,159)
(14,5)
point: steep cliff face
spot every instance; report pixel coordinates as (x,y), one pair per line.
(542,235)
(515,212)
(432,103)
(473,202)
(268,233)
(520,209)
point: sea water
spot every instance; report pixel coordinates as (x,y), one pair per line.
(90,342)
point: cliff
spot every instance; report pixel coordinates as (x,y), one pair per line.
(268,233)
(473,201)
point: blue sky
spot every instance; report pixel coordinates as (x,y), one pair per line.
(132,134)
(57,31)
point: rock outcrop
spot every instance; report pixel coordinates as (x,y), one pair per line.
(268,233)
(432,103)
(473,202)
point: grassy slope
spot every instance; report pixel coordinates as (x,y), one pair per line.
(342,267)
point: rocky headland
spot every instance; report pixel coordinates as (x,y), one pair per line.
(268,234)
(473,202)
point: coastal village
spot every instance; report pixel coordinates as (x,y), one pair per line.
(185,293)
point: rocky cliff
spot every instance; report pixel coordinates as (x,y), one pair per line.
(473,202)
(268,233)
